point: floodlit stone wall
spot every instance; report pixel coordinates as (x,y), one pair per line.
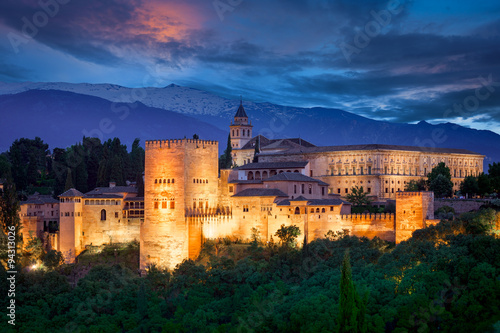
(181,179)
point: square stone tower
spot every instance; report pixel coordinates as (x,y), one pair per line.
(181,179)
(412,211)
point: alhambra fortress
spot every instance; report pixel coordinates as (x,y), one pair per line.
(186,200)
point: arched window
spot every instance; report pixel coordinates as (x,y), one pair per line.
(317,210)
(322,210)
(103,215)
(297,210)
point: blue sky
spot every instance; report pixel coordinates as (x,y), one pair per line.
(403,61)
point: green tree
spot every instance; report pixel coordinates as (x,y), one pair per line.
(69,181)
(9,219)
(484,184)
(139,183)
(352,309)
(34,251)
(93,149)
(442,186)
(257,150)
(5,167)
(494,175)
(58,170)
(469,186)
(416,185)
(28,160)
(53,259)
(288,235)
(137,157)
(226,159)
(358,197)
(440,169)
(439,180)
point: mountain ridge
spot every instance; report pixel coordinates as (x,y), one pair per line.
(321,126)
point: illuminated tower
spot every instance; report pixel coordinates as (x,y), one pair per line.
(240,129)
(70,224)
(181,178)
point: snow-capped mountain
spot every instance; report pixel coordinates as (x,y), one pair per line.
(172,97)
(210,115)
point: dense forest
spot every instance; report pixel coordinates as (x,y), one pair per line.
(86,165)
(445,278)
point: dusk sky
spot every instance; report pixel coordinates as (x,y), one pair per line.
(401,61)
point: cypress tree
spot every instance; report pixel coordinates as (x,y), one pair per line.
(69,181)
(226,159)
(139,183)
(257,150)
(351,308)
(228,153)
(9,218)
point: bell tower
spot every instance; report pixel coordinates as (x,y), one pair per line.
(240,129)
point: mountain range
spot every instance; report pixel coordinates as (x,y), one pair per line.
(62,113)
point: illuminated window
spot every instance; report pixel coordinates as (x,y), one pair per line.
(163,204)
(156,204)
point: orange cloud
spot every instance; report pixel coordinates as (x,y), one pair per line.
(167,21)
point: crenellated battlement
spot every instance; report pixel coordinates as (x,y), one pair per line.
(171,143)
(408,194)
(389,217)
(209,218)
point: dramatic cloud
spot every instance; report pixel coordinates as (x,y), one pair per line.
(400,60)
